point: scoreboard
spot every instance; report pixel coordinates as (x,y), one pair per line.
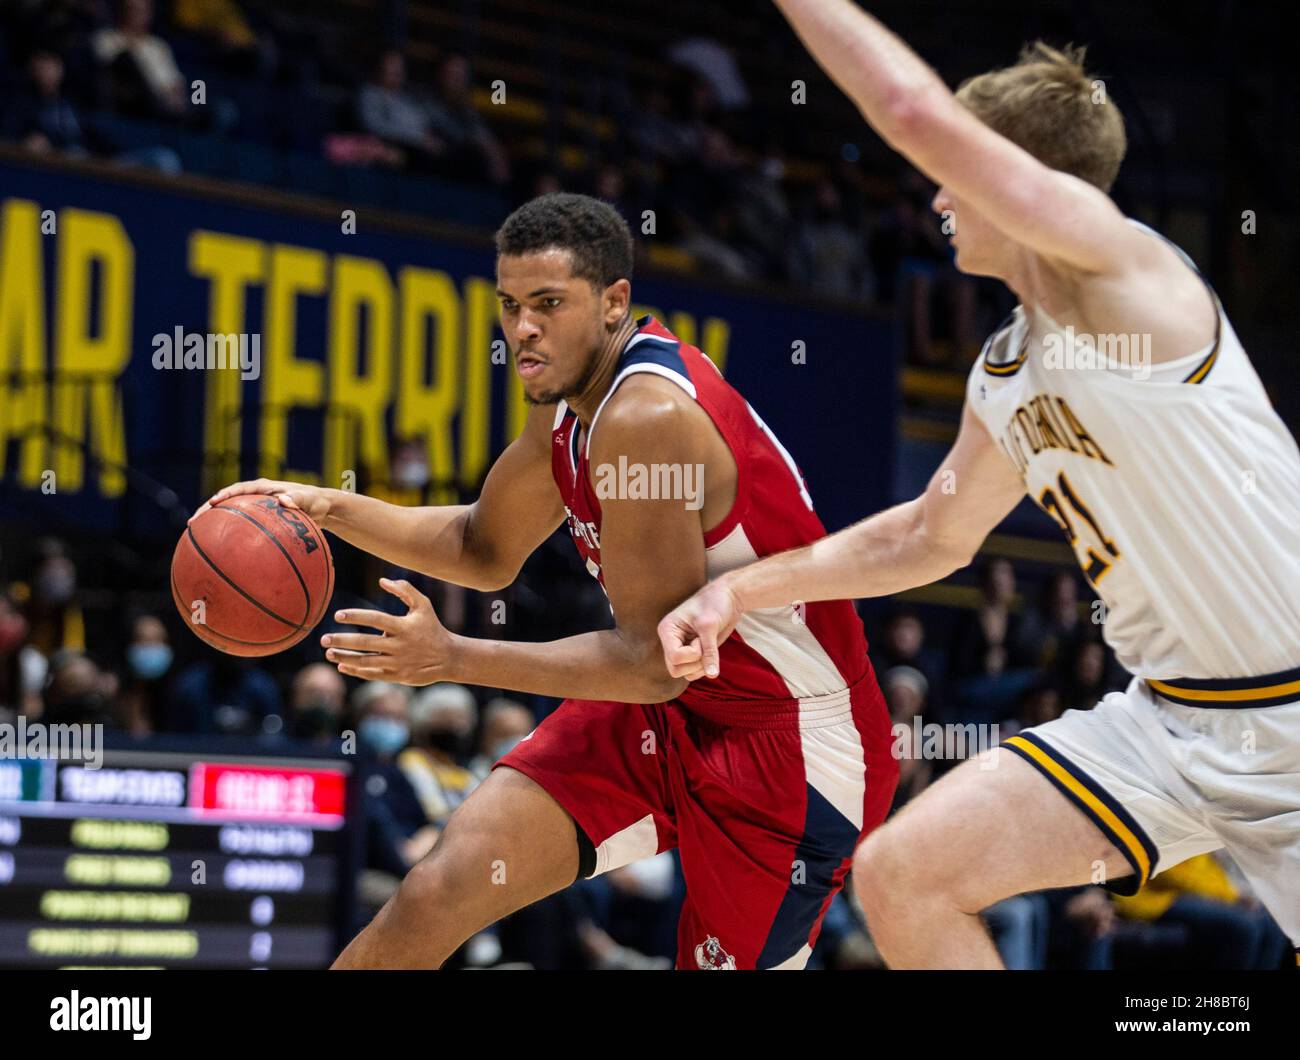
(175,858)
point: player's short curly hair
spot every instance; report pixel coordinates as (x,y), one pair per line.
(596,237)
(1051,106)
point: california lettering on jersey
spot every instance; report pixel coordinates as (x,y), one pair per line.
(1046,421)
(1178,491)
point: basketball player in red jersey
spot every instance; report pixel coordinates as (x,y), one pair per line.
(764,779)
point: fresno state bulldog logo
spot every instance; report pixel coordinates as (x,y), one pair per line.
(710,956)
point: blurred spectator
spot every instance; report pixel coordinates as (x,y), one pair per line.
(442,721)
(222,25)
(713,62)
(143,78)
(656,130)
(710,246)
(627,917)
(986,642)
(1083,928)
(54,618)
(1088,675)
(316,701)
(43,119)
(78,692)
(844,943)
(902,643)
(1216,926)
(398,832)
(383,717)
(702,185)
(408,472)
(472,151)
(39,115)
(386,109)
(763,216)
(826,254)
(149,658)
(1020,926)
(1050,630)
(505,723)
(22,667)
(1040,704)
(905,690)
(226,694)
(911,257)
(989,666)
(611,186)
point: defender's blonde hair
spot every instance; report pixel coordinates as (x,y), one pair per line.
(1050,106)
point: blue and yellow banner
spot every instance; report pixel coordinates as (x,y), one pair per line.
(335,332)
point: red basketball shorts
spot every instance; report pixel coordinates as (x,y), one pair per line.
(765,811)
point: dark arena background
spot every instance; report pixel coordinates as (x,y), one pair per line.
(323,179)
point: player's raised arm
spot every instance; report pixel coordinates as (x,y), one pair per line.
(480,545)
(1054,214)
(906,546)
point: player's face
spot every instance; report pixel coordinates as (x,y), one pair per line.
(552,321)
(981,249)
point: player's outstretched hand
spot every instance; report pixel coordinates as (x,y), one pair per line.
(311,500)
(691,632)
(411,649)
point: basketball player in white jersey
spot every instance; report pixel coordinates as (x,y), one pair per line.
(1169,472)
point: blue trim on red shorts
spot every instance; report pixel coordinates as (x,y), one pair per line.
(828,840)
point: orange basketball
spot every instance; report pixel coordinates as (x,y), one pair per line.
(252,577)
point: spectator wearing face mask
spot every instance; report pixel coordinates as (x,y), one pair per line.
(442,721)
(55,620)
(505,723)
(408,473)
(316,700)
(148,663)
(398,834)
(403,834)
(383,718)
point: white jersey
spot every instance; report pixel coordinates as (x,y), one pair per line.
(1178,488)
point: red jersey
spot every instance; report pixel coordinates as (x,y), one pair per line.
(776,655)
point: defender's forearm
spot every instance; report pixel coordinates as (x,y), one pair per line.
(885,554)
(598,665)
(872,66)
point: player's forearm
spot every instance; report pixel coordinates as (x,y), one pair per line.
(884,554)
(873,67)
(600,665)
(431,540)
